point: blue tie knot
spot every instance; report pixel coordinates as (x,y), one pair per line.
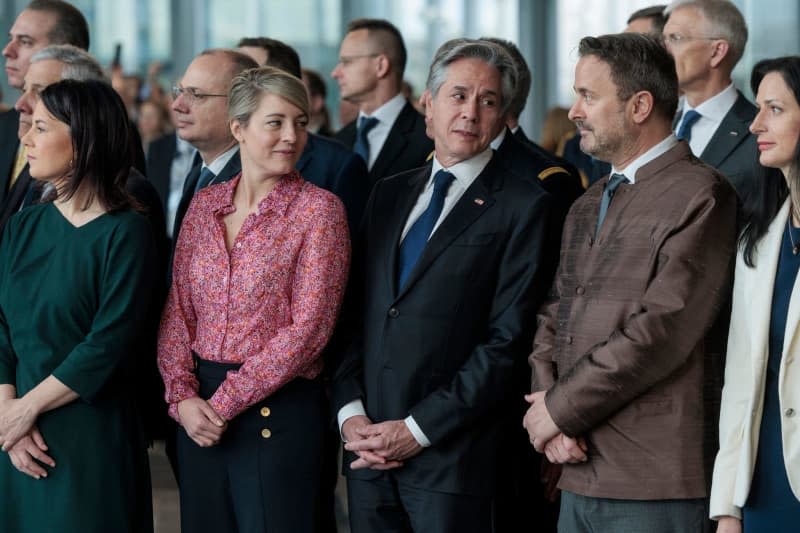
(687,121)
(206,177)
(441,182)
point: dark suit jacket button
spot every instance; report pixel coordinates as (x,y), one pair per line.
(569,339)
(579,290)
(394,313)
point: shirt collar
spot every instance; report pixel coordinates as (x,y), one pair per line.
(278,200)
(465,171)
(389,111)
(495,144)
(716,107)
(222,159)
(630,170)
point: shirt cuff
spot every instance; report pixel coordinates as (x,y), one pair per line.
(354,408)
(415,430)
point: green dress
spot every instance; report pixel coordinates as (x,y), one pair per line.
(72,303)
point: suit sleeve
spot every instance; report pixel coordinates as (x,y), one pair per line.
(352,186)
(677,309)
(486,375)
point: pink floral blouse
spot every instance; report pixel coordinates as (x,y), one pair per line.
(270,304)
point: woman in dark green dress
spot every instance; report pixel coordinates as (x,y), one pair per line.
(74,285)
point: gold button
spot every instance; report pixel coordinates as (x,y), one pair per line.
(265,411)
(266,433)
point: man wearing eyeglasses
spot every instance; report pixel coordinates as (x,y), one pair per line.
(200,109)
(707,39)
(389,134)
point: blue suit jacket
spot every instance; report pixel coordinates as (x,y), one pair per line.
(330,165)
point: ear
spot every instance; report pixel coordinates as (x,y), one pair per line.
(382,65)
(641,106)
(236,130)
(719,52)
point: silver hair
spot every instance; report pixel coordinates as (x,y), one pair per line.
(724,20)
(77,64)
(488,52)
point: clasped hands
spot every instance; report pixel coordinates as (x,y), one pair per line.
(21,439)
(381,446)
(201,422)
(547,438)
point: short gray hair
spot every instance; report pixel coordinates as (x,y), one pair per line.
(725,22)
(488,52)
(251,85)
(77,64)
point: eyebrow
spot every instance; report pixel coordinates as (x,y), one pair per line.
(773,101)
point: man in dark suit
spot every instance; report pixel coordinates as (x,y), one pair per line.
(389,134)
(619,352)
(40,24)
(707,39)
(447,275)
(324,162)
(201,115)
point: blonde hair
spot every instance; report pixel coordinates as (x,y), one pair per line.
(555,128)
(249,86)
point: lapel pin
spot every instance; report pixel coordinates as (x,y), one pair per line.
(734,133)
(479,201)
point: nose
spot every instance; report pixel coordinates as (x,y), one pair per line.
(289,133)
(27,139)
(10,50)
(469,109)
(179,104)
(757,126)
(575,112)
(337,71)
(24,104)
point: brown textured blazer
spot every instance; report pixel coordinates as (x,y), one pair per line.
(620,345)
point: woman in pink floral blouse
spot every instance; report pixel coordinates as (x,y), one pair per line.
(259,273)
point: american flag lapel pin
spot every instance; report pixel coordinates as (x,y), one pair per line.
(479,201)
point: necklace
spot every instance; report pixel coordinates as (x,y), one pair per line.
(795,247)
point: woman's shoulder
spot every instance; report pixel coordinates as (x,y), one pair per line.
(319,198)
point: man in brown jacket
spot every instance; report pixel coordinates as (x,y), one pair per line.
(645,263)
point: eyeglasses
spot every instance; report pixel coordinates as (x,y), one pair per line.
(677,38)
(192,95)
(346,60)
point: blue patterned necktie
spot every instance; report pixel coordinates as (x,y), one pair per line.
(613,183)
(365,125)
(206,177)
(688,120)
(417,236)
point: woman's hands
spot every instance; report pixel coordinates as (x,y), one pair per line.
(17,416)
(27,451)
(201,421)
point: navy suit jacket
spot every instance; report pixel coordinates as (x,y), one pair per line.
(406,147)
(230,170)
(330,165)
(160,154)
(444,347)
(9,142)
(732,150)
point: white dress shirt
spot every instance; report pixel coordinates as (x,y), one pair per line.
(660,148)
(712,111)
(465,174)
(181,163)
(386,114)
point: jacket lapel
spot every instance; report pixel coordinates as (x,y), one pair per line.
(395,143)
(732,131)
(794,307)
(759,290)
(398,215)
(476,200)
